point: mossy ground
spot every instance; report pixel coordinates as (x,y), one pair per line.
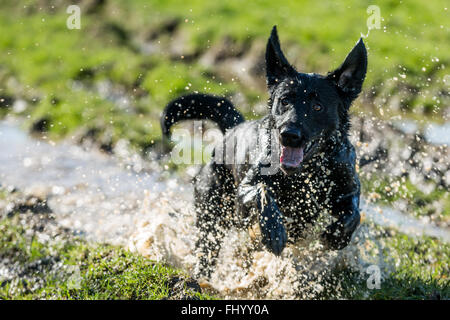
(70,268)
(57,70)
(66,267)
(420,269)
(434,203)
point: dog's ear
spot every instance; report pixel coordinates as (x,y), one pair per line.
(277,66)
(349,77)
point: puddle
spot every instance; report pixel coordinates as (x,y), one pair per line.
(390,217)
(89,191)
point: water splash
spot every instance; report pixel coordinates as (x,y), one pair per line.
(151,212)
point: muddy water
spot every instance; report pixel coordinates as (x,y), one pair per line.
(89,191)
(117,200)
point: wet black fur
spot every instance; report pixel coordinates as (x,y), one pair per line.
(239,192)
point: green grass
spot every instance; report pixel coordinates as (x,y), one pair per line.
(42,59)
(419,269)
(422,269)
(105,272)
(387,190)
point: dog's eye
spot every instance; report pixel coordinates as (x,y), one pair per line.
(317,107)
(284,101)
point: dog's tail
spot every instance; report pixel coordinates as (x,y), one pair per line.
(200,106)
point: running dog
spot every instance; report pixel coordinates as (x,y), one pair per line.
(282,170)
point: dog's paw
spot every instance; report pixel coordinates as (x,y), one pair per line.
(273,233)
(334,239)
(338,235)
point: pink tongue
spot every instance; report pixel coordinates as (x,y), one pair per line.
(291,157)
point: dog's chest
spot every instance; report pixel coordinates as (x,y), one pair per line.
(305,193)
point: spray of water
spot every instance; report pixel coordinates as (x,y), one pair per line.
(151,212)
(167,233)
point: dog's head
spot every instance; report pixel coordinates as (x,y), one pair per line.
(309,108)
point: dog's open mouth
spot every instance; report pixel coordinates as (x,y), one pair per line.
(291,157)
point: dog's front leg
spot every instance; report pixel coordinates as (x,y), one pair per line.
(256,194)
(344,200)
(273,233)
(338,235)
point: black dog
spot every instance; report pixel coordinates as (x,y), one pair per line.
(285,167)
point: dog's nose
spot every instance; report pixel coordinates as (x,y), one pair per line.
(291,137)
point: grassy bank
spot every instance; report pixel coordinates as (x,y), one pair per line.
(113,77)
(40,259)
(69,268)
(434,202)
(419,271)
